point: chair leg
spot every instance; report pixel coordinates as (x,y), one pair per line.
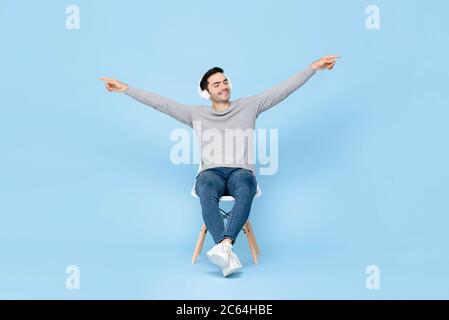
(199,243)
(252,247)
(253,237)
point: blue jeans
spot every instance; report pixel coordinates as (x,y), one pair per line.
(213,183)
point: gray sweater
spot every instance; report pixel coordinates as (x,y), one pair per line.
(225,137)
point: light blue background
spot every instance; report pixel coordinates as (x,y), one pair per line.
(86,177)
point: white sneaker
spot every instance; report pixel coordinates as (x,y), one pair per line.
(234,264)
(219,254)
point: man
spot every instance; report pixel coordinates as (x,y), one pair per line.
(224,170)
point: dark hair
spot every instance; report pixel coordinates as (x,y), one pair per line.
(214,70)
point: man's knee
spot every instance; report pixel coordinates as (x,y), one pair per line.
(247,185)
(208,184)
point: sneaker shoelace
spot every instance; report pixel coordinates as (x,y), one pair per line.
(227,250)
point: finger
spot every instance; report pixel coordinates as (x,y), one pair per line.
(108,82)
(106,79)
(331,58)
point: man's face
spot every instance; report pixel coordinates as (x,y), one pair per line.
(218,88)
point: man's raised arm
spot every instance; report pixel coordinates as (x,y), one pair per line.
(174,109)
(276,94)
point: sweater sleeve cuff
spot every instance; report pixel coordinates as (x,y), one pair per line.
(129,90)
(310,69)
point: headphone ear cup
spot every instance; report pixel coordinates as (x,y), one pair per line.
(229,81)
(203,93)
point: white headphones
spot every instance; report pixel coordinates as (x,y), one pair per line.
(205,94)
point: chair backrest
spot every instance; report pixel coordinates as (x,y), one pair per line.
(222,198)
